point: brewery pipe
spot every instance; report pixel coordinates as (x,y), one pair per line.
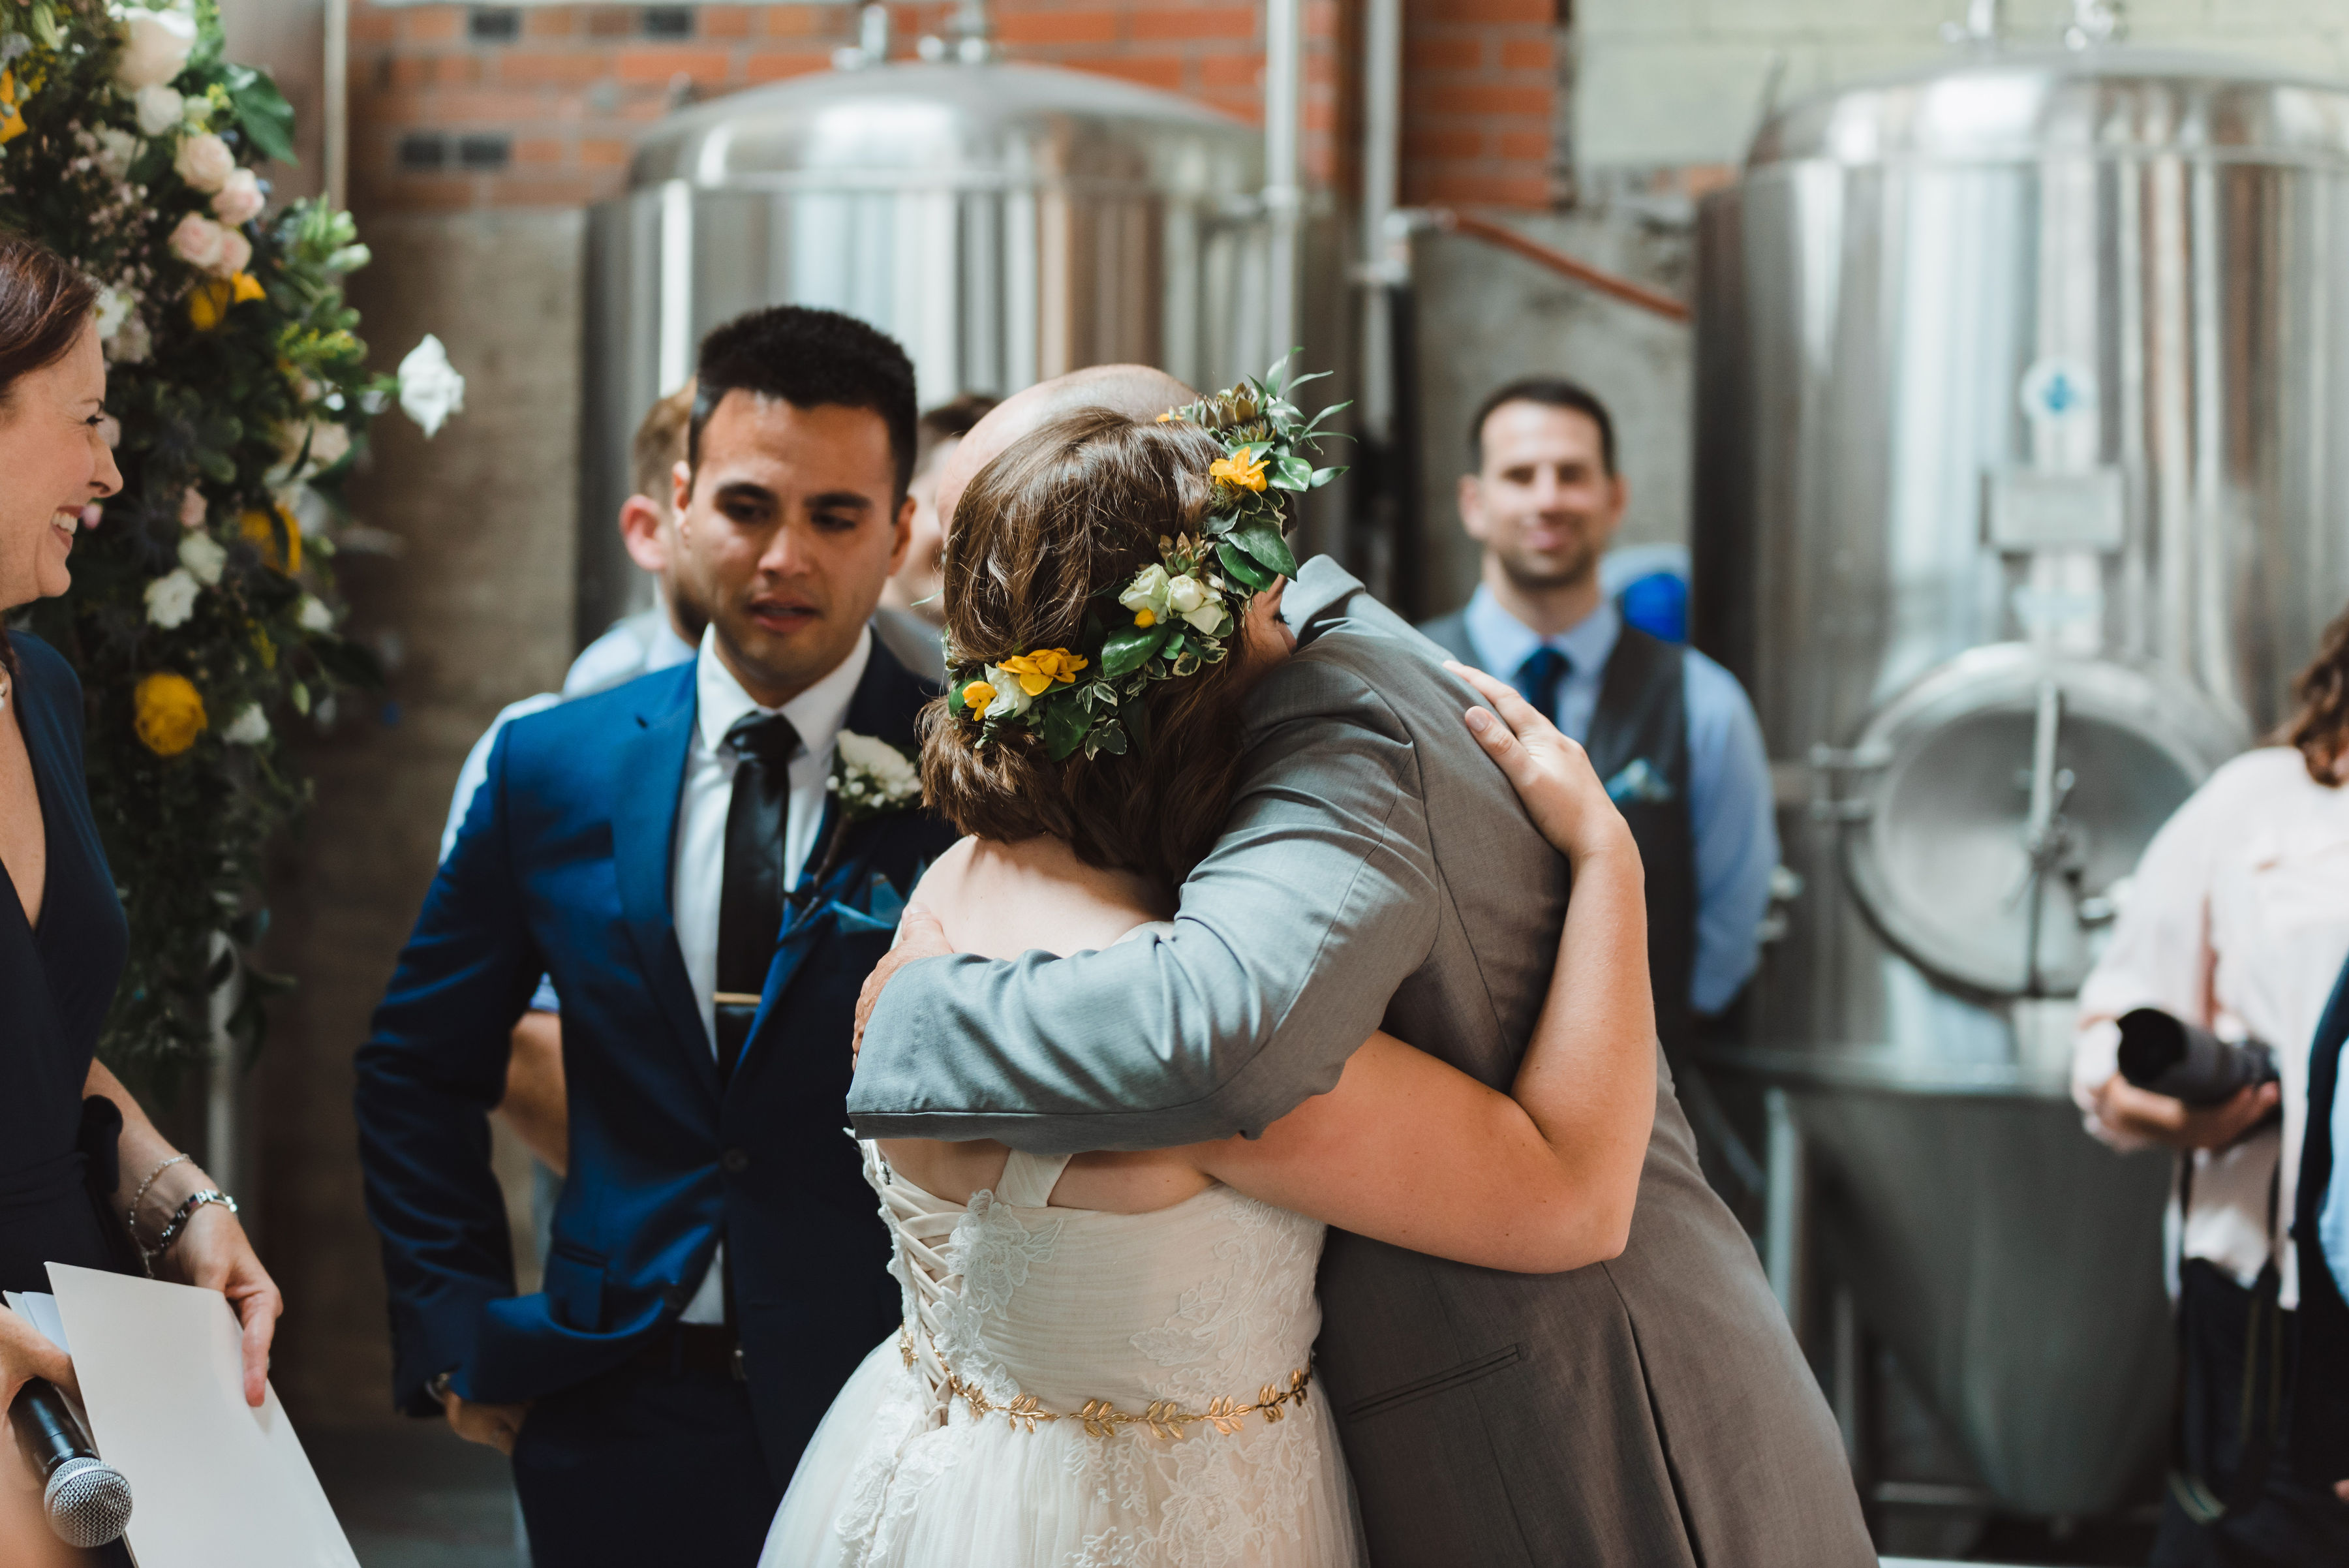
(1283,92)
(1558,261)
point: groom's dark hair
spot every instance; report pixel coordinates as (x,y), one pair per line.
(808,357)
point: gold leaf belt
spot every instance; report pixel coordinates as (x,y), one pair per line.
(1163,1417)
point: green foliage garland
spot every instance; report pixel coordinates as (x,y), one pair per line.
(201,617)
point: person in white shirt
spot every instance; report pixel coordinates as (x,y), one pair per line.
(2236,922)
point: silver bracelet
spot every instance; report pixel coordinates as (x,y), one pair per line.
(187,1211)
(130,1215)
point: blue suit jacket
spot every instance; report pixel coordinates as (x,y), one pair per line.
(564,867)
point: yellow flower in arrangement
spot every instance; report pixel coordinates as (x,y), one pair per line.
(209,300)
(978,697)
(1039,669)
(170,712)
(1239,475)
(256,528)
(244,286)
(12,101)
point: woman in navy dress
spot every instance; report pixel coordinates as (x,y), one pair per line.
(76,1154)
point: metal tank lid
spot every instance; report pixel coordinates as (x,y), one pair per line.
(2026,104)
(951,123)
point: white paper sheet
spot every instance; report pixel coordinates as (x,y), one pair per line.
(213,1482)
(40,1310)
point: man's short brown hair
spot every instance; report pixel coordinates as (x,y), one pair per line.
(659,445)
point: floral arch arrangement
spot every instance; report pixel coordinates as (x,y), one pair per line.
(202,617)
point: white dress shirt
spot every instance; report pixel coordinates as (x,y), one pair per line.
(698,872)
(2237,920)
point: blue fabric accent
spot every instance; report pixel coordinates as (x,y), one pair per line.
(1537,677)
(2333,1220)
(1730,807)
(1658,605)
(1638,780)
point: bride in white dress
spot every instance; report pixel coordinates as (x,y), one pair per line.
(1108,1359)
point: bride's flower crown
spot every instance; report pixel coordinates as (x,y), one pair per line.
(1177,614)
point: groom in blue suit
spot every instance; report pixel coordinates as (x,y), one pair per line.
(680,858)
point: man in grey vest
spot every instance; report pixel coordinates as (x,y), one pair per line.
(1377,868)
(1671,732)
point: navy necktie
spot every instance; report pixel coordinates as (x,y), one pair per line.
(751,896)
(1538,680)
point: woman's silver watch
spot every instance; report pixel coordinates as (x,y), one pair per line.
(438,1386)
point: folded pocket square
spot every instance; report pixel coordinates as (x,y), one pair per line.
(1640,780)
(854,921)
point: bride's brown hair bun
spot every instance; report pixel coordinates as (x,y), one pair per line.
(1043,535)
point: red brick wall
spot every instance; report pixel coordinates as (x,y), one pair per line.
(546,118)
(1479,81)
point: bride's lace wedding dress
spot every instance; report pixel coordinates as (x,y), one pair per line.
(1078,1389)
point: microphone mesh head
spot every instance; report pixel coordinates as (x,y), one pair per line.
(88,1502)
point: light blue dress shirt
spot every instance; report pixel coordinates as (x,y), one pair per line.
(1730,808)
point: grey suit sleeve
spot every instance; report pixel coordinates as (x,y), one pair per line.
(1318,899)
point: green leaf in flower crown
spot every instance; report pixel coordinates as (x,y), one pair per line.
(1238,564)
(1064,729)
(1322,476)
(263,112)
(1290,472)
(1263,541)
(1110,737)
(1129,648)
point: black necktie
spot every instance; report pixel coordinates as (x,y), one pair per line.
(1538,680)
(750,899)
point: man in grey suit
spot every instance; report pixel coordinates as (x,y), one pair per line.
(1377,871)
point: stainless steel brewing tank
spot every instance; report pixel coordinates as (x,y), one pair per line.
(2020,493)
(1005,222)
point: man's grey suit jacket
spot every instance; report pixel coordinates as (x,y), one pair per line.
(1377,870)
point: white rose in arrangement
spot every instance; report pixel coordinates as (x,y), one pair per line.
(236,254)
(191,508)
(155,48)
(171,599)
(204,161)
(158,109)
(113,307)
(116,149)
(249,727)
(312,614)
(132,344)
(429,388)
(239,200)
(1146,596)
(197,240)
(202,555)
(1195,603)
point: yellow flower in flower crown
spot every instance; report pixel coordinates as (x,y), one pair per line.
(1039,668)
(978,697)
(170,712)
(1237,474)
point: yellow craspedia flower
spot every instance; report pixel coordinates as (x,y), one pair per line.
(1040,667)
(257,531)
(170,712)
(978,697)
(1237,474)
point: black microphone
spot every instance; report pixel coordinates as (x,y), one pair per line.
(89,1501)
(2163,1052)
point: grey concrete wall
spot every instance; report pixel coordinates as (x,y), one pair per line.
(474,611)
(1487,317)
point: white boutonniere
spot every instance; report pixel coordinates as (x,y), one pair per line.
(873,778)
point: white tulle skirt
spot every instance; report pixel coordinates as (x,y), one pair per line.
(883,1484)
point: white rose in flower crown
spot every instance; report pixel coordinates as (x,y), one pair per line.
(239,200)
(204,555)
(197,240)
(312,614)
(1195,602)
(1146,596)
(171,599)
(236,254)
(204,161)
(155,48)
(116,149)
(249,727)
(158,109)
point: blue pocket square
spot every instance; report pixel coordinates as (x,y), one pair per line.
(1640,780)
(854,921)
(882,899)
